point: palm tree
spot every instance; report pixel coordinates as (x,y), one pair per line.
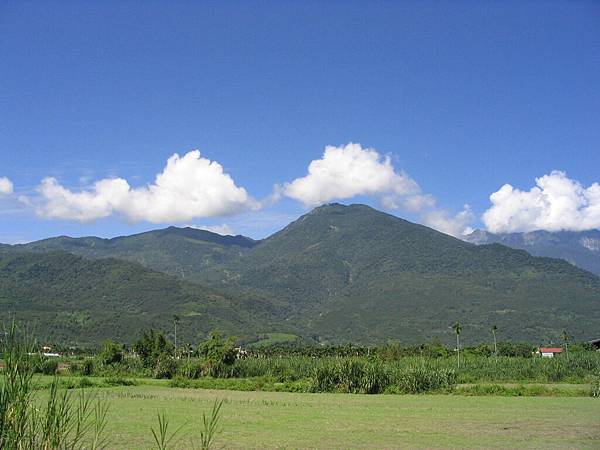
(565,337)
(457,329)
(494,329)
(175,322)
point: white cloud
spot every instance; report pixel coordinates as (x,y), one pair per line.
(555,203)
(188,187)
(6,186)
(345,172)
(223,229)
(86,206)
(351,170)
(454,225)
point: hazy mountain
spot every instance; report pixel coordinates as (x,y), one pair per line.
(351,273)
(581,248)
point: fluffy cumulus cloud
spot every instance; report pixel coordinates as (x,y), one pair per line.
(189,187)
(351,170)
(6,186)
(345,172)
(555,203)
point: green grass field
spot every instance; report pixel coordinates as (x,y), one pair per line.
(287,420)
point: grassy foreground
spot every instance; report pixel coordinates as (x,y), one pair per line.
(287,420)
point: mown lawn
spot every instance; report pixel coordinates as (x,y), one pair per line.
(287,420)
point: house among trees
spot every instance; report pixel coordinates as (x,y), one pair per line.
(549,352)
(47,351)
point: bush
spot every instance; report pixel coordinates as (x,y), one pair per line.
(47,366)
(515,350)
(112,353)
(88,367)
(166,366)
(85,382)
(151,346)
(218,354)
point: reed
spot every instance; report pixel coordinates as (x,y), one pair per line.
(65,421)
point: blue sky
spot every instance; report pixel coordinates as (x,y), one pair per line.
(460,97)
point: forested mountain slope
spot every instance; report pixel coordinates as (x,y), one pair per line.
(352,273)
(66,298)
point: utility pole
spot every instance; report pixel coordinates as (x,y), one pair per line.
(457,329)
(175,322)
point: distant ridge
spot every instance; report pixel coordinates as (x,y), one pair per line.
(580,248)
(182,252)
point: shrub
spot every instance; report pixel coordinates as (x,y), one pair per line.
(88,367)
(112,353)
(166,366)
(218,354)
(47,366)
(519,349)
(86,382)
(151,346)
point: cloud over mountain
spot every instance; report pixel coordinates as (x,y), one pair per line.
(348,171)
(556,203)
(351,170)
(192,187)
(189,187)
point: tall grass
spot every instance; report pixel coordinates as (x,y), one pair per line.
(595,390)
(210,426)
(65,421)
(209,429)
(161,435)
(368,377)
(578,368)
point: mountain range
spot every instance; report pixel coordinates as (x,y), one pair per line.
(580,248)
(337,274)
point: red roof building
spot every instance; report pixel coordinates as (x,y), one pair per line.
(549,352)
